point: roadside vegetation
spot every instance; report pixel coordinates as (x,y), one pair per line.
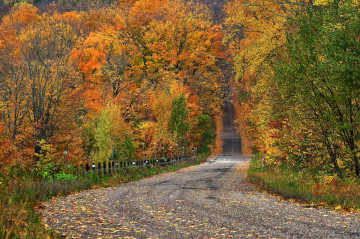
(316,188)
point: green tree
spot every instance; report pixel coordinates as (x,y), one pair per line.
(106,137)
(319,76)
(178,124)
(206,127)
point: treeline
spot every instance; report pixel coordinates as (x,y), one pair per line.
(297,66)
(97,79)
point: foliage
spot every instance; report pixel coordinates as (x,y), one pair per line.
(296,64)
(256,33)
(106,136)
(317,76)
(205,126)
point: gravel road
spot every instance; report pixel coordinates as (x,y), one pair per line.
(212,200)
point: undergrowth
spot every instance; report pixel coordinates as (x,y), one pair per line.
(314,189)
(20,197)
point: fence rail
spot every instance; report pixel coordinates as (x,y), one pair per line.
(111,166)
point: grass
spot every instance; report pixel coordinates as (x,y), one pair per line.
(316,190)
(20,197)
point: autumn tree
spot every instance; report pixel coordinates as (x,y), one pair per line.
(38,83)
(177,40)
(150,47)
(107,134)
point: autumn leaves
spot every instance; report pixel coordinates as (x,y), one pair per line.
(113,76)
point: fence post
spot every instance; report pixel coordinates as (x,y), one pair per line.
(104,168)
(87,167)
(99,168)
(155,151)
(183,153)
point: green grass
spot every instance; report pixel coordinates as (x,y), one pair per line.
(18,198)
(316,190)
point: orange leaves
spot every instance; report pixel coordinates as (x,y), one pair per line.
(21,17)
(92,54)
(170,40)
(7,149)
(144,11)
(37,80)
(24,14)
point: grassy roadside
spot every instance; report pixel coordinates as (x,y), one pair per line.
(20,197)
(316,190)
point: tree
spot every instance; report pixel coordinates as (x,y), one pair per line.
(38,82)
(319,75)
(107,134)
(178,119)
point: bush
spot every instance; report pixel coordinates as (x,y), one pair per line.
(64,176)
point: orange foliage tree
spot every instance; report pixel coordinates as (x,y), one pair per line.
(38,84)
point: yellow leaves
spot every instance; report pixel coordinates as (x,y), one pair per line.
(328,179)
(323,2)
(263,27)
(257,32)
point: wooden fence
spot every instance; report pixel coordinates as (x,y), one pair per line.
(111,166)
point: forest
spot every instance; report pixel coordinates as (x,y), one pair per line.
(95,80)
(117,74)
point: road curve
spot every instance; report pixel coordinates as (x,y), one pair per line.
(212,200)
